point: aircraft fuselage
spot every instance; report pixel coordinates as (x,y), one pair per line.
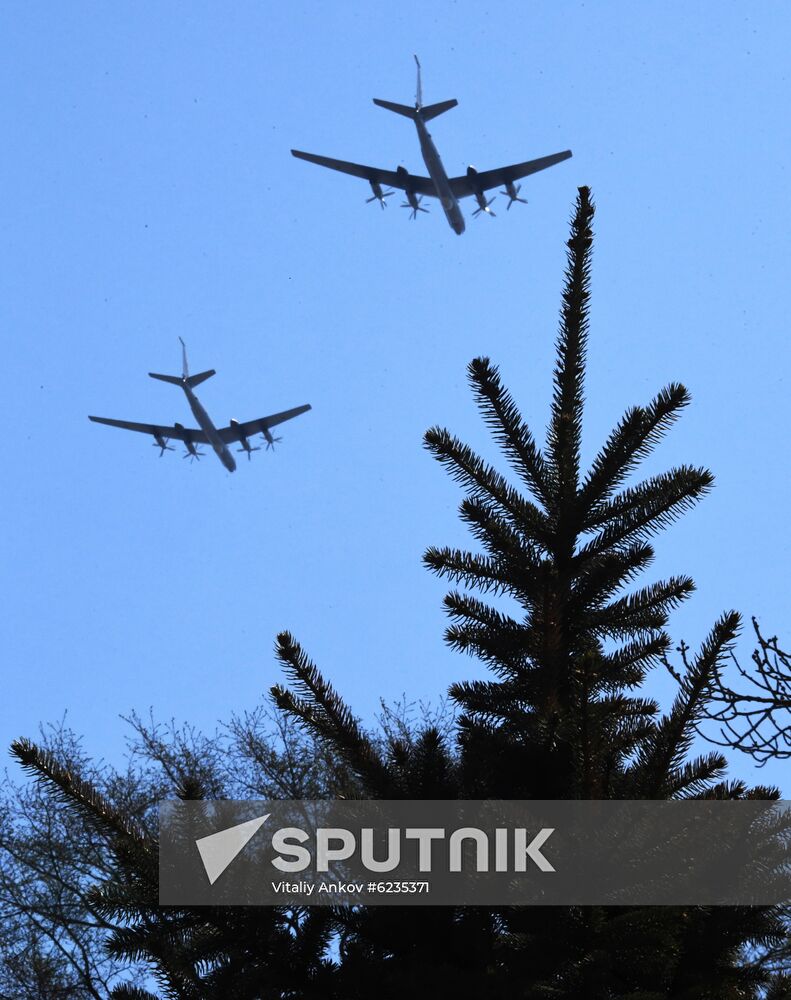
(436,172)
(208,428)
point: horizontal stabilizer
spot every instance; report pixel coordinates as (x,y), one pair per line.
(193,380)
(433,110)
(190,380)
(426,114)
(400,109)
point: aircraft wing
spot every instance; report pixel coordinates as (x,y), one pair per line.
(462,187)
(421,185)
(171,433)
(231,434)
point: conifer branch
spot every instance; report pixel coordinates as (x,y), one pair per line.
(307,679)
(79,793)
(492,530)
(127,992)
(323,712)
(644,611)
(645,509)
(605,575)
(628,665)
(481,481)
(463,567)
(509,430)
(470,609)
(481,697)
(694,778)
(565,428)
(635,436)
(674,733)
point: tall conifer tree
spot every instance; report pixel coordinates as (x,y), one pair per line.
(560,715)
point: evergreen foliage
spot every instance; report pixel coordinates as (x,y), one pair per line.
(561,711)
(562,717)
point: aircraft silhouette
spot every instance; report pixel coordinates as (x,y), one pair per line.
(208,433)
(437,185)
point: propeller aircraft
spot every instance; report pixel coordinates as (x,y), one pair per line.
(437,185)
(219,439)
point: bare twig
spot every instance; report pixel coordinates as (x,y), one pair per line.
(755,716)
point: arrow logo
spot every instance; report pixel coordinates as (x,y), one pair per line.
(218,850)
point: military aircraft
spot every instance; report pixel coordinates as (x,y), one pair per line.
(437,184)
(208,433)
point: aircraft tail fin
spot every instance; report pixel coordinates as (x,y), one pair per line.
(185,379)
(190,380)
(427,113)
(418,111)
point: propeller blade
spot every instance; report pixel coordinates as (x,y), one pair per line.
(380,199)
(513,195)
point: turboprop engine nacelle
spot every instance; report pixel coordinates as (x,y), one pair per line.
(243,441)
(412,199)
(378,194)
(483,204)
(161,443)
(191,452)
(512,192)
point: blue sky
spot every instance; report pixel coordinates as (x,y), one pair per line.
(148,192)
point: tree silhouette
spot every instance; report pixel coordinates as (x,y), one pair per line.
(562,717)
